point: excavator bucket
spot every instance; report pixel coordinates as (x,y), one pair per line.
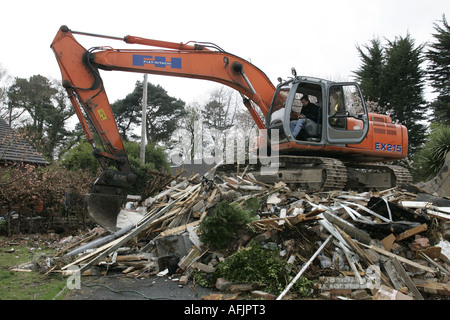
(103,208)
(104,201)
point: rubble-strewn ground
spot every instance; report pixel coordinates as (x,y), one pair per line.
(236,238)
(384,245)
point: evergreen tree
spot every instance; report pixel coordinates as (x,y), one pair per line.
(127,113)
(371,71)
(163,112)
(392,76)
(438,55)
(403,82)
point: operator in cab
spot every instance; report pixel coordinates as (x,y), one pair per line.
(298,120)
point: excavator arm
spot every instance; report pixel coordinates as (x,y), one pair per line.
(84,85)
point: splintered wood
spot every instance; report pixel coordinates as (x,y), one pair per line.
(382,241)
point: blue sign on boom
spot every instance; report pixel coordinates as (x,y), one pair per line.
(158,62)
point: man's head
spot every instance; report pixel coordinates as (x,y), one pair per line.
(304,100)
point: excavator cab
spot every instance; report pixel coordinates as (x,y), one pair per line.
(342,115)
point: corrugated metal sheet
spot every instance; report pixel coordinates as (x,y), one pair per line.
(14,148)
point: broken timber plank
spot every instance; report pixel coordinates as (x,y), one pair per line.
(251,188)
(132,257)
(128,270)
(368,211)
(434,263)
(411,232)
(203,267)
(353,244)
(423,205)
(438,212)
(169,190)
(347,227)
(124,239)
(404,260)
(439,215)
(190,258)
(393,275)
(243,287)
(179,229)
(409,283)
(355,215)
(432,286)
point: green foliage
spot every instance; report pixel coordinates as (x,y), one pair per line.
(155,156)
(255,264)
(430,159)
(438,55)
(155,160)
(252,205)
(303,287)
(202,279)
(143,176)
(81,157)
(441,109)
(219,226)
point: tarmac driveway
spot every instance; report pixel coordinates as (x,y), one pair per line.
(119,287)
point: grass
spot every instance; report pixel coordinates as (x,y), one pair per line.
(25,285)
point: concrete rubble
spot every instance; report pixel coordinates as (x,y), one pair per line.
(378,245)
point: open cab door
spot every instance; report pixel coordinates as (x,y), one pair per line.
(347,120)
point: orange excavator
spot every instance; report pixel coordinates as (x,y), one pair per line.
(346,147)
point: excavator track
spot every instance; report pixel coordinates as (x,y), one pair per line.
(336,174)
(322,173)
(402,175)
(376,176)
(309,173)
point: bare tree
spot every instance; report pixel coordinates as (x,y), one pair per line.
(8,111)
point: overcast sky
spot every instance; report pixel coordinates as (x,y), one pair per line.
(318,37)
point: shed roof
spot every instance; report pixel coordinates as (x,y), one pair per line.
(14,148)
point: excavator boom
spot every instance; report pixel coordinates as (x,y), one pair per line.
(84,85)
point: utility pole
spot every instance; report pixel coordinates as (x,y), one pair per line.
(144,120)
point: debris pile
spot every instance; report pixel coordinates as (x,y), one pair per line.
(341,245)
